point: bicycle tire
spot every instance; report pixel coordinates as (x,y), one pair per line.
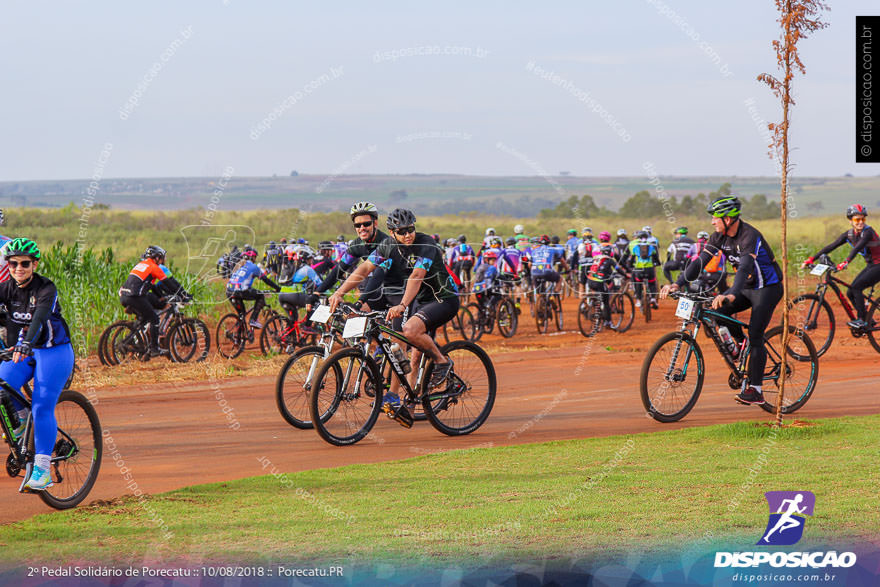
(293,387)
(682,403)
(329,399)
(556,304)
(542,308)
(230,336)
(800,344)
(272,340)
(584,321)
(479,321)
(184,341)
(74,477)
(872,315)
(646,303)
(105,342)
(129,344)
(470,389)
(468,324)
(507,319)
(623,311)
(820,322)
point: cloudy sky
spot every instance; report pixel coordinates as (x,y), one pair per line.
(489,88)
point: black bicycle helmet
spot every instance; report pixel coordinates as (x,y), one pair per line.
(856,210)
(399,218)
(154,252)
(340,238)
(554,239)
(462,238)
(325,245)
(544,240)
(23,247)
(511,241)
(725,206)
(361,208)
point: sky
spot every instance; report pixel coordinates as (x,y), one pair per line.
(484,88)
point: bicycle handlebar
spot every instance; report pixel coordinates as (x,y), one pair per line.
(701,298)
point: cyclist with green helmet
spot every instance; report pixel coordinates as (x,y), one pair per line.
(757,285)
(35,328)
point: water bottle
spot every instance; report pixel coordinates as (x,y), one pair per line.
(400,358)
(727,339)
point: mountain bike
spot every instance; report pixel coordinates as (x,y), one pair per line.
(183,337)
(283,333)
(234,331)
(813,313)
(498,310)
(76,455)
(462,327)
(548,306)
(590,316)
(673,370)
(643,295)
(347,397)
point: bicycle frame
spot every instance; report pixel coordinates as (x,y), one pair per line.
(709,319)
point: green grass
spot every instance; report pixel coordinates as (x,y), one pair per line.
(594,496)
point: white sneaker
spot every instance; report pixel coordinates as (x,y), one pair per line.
(638,303)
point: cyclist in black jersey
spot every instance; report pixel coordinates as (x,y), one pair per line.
(757,285)
(430,287)
(864,241)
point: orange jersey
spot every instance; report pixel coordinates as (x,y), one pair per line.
(141,278)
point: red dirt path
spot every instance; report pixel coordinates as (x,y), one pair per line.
(170,435)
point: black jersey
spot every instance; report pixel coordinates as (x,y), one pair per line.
(38,298)
(425,254)
(866,243)
(748,241)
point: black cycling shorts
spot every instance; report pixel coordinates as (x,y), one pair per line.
(583,272)
(435,314)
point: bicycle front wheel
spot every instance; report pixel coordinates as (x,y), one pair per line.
(672,377)
(465,400)
(346,397)
(816,318)
(293,387)
(231,336)
(76,456)
(189,338)
(801,370)
(873,317)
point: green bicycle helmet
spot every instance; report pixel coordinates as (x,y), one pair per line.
(725,206)
(22,247)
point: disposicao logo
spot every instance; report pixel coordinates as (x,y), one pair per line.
(785,526)
(787,516)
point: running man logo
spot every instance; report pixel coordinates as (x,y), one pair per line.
(788,511)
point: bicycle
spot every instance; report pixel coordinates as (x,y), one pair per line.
(76,455)
(464,326)
(347,398)
(499,310)
(672,360)
(234,331)
(183,337)
(814,313)
(548,306)
(643,295)
(590,316)
(283,332)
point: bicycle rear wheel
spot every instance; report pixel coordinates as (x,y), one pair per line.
(623,311)
(189,338)
(231,336)
(873,318)
(276,335)
(105,343)
(479,318)
(802,370)
(556,306)
(543,313)
(76,457)
(294,385)
(507,318)
(668,383)
(464,402)
(346,397)
(128,344)
(468,326)
(816,318)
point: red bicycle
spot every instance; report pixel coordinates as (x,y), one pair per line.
(284,333)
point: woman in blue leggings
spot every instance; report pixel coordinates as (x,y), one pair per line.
(41,342)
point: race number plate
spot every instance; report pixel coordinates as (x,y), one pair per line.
(321,315)
(354,327)
(819,269)
(685,308)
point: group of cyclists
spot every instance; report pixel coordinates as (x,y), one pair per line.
(412,274)
(415,279)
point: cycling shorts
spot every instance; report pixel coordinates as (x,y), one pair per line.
(435,314)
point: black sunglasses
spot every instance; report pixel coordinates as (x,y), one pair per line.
(366,224)
(24,264)
(405,230)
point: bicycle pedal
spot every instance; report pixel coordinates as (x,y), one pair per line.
(400,415)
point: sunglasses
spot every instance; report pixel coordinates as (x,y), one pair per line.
(405,230)
(366,224)
(24,264)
